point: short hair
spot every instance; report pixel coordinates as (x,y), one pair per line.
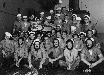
(69,40)
(64,31)
(21,38)
(88,31)
(54,40)
(58,31)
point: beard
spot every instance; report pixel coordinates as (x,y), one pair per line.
(89,47)
(55,46)
(36,48)
(69,48)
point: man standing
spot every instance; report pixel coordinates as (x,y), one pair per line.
(17,24)
(25,24)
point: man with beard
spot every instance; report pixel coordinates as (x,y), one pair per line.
(35,56)
(91,57)
(71,55)
(55,53)
(21,53)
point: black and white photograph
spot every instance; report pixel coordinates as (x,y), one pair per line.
(51,37)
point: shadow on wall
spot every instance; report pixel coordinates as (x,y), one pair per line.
(46,5)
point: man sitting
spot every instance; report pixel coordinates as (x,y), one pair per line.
(91,57)
(21,53)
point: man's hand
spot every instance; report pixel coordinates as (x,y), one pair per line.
(92,65)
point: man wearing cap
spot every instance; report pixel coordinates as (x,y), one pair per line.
(42,17)
(30,39)
(31,19)
(52,14)
(17,25)
(87,25)
(7,50)
(58,20)
(48,22)
(74,16)
(78,25)
(67,24)
(35,55)
(7,45)
(25,24)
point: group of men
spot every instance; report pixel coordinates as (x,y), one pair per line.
(68,44)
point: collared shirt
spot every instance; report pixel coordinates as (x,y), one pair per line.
(47,46)
(92,54)
(56,52)
(25,26)
(70,55)
(78,44)
(18,25)
(21,51)
(7,46)
(37,54)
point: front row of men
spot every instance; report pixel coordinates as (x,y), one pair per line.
(74,53)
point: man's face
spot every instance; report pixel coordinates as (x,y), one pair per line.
(58,34)
(76,38)
(69,45)
(49,34)
(53,31)
(86,20)
(73,31)
(46,40)
(25,19)
(7,37)
(90,33)
(37,45)
(78,21)
(19,18)
(20,41)
(64,35)
(42,15)
(66,17)
(31,17)
(82,36)
(58,28)
(56,43)
(89,43)
(74,18)
(32,36)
